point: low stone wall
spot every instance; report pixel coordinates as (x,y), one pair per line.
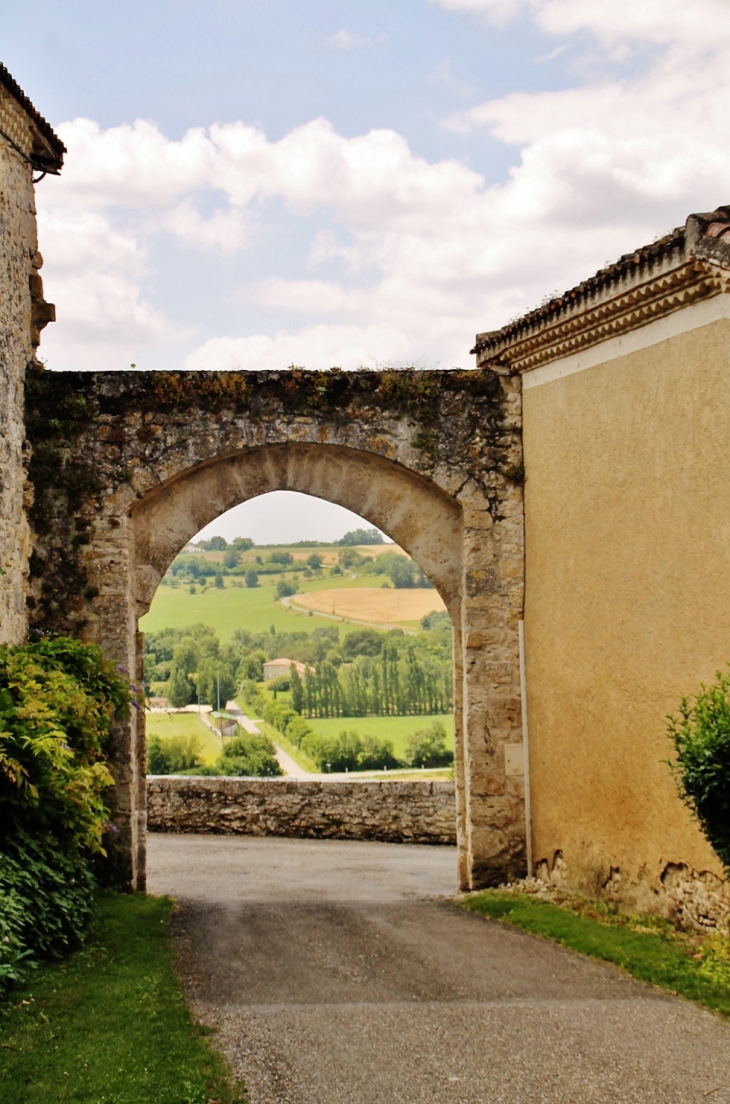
(395,812)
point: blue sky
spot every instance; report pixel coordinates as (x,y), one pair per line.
(251,185)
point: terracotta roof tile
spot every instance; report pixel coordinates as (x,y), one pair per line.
(703,235)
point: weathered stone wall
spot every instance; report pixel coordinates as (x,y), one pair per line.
(127,467)
(393,812)
(19,261)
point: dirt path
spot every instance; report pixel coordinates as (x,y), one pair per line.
(336,976)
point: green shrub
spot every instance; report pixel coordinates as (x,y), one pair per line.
(427,747)
(250,756)
(58,698)
(701,738)
(349,751)
(377,754)
(174,754)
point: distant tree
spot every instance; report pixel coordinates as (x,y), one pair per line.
(179,689)
(314,561)
(285,589)
(193,568)
(434,619)
(252,579)
(362,642)
(297,690)
(232,558)
(349,557)
(157,761)
(193,589)
(377,754)
(219,580)
(427,747)
(252,666)
(362,536)
(217,544)
(250,756)
(403,572)
(174,754)
(337,570)
(214,677)
(285,558)
(242,544)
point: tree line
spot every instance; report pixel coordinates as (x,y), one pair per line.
(365,672)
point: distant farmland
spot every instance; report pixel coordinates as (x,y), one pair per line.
(381,606)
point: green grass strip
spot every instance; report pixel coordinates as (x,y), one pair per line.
(653,956)
(110,1025)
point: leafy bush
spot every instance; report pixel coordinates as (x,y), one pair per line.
(349,751)
(427,747)
(250,756)
(58,697)
(174,754)
(57,700)
(701,738)
(285,589)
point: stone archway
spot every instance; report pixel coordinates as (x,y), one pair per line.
(128,466)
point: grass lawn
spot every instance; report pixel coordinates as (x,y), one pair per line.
(185,724)
(397,729)
(225,611)
(254,608)
(647,947)
(109,1025)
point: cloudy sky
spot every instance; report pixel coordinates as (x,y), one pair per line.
(251,185)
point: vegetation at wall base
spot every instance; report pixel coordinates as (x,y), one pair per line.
(647,947)
(110,1024)
(701,738)
(58,699)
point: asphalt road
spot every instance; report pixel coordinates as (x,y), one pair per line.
(338,973)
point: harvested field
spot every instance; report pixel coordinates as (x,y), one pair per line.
(380,606)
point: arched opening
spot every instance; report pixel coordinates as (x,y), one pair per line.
(338,650)
(421,519)
(413,512)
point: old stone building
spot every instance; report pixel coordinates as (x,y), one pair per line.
(28,148)
(574,484)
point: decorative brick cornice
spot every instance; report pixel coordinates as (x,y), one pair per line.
(684,267)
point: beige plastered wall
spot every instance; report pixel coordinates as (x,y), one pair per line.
(627,602)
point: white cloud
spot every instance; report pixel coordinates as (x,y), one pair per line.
(426,252)
(345,40)
(322,346)
(703,22)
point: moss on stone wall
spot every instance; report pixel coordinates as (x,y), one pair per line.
(65,489)
(90,433)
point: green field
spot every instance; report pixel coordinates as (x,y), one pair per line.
(165,725)
(254,609)
(397,729)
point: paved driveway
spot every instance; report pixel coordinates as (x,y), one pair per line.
(337,974)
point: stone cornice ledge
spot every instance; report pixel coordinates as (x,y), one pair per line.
(683,268)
